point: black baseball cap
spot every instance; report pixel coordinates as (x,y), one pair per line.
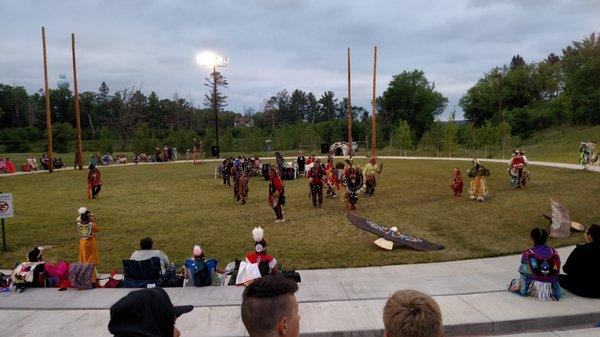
(145,312)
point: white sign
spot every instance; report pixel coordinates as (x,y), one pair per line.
(6,205)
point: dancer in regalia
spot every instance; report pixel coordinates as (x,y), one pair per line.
(276,194)
(87,229)
(478,188)
(353,181)
(330,179)
(226,171)
(370,171)
(587,155)
(457,183)
(517,169)
(94,181)
(315,183)
(244,180)
(539,270)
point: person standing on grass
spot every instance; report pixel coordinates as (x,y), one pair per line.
(301,163)
(276,194)
(94,181)
(315,183)
(87,229)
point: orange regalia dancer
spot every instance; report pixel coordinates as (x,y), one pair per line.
(94,181)
(87,229)
(478,188)
(457,183)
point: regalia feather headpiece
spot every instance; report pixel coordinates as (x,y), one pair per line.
(197,250)
(81,211)
(258,236)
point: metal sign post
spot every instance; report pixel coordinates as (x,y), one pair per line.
(6,211)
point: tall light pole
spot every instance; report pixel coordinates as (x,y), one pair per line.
(212,60)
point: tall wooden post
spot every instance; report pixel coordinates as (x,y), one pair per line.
(374,107)
(47,99)
(350,150)
(79,154)
(216,107)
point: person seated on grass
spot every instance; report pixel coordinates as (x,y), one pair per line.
(412,313)
(540,267)
(146,312)
(10,166)
(146,252)
(28,273)
(45,160)
(267,264)
(582,267)
(32,162)
(270,308)
(198,268)
(3,168)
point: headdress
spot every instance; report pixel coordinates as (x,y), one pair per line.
(260,244)
(197,250)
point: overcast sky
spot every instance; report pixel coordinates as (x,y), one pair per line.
(279,44)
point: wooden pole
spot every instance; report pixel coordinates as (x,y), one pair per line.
(47,99)
(79,154)
(350,150)
(374,107)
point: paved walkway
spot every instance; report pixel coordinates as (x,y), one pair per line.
(333,302)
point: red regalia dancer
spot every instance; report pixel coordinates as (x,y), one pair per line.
(276,194)
(94,181)
(330,179)
(457,183)
(315,183)
(517,164)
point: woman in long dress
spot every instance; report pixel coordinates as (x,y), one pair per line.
(87,229)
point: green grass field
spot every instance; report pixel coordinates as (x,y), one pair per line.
(180,205)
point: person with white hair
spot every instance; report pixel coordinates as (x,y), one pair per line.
(267,264)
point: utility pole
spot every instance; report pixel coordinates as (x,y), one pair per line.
(374,107)
(350,150)
(79,154)
(47,100)
(216,107)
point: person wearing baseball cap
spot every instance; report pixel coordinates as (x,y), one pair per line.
(146,312)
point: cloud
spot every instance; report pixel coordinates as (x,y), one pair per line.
(275,45)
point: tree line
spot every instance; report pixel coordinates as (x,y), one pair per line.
(533,96)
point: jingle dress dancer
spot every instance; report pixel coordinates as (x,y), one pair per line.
(87,229)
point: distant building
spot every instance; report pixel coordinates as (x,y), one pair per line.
(240,121)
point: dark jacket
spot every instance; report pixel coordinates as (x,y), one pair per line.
(583,271)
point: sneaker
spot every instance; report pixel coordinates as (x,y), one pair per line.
(279,220)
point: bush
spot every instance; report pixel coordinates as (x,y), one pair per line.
(62,134)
